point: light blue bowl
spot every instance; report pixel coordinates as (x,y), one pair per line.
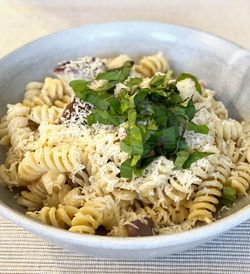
(223,65)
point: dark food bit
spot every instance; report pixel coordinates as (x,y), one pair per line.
(138,228)
(61,67)
(33,125)
(76,112)
(101,231)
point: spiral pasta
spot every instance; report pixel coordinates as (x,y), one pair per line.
(219,109)
(206,198)
(59,217)
(240,178)
(230,149)
(100,211)
(55,89)
(43,113)
(51,92)
(33,199)
(53,180)
(59,159)
(4,133)
(149,65)
(57,195)
(227,129)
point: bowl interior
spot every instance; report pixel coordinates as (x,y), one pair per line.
(224,66)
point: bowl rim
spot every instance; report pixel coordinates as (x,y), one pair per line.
(126,243)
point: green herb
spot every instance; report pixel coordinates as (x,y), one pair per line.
(127,169)
(184,76)
(133,82)
(197,128)
(228,196)
(155,117)
(118,74)
(195,156)
(190,109)
(181,158)
(80,88)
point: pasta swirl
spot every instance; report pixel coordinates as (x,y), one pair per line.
(149,65)
(58,217)
(58,159)
(100,211)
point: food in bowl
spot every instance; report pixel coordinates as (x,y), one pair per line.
(119,148)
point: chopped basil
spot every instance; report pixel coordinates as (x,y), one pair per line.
(198,128)
(79,86)
(126,169)
(190,109)
(118,74)
(133,82)
(228,196)
(181,158)
(195,156)
(156,117)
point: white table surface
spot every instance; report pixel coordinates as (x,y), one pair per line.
(22,21)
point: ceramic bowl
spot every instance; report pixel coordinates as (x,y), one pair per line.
(224,67)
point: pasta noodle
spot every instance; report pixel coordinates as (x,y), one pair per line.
(58,217)
(70,168)
(149,65)
(43,113)
(240,178)
(100,211)
(4,133)
(59,159)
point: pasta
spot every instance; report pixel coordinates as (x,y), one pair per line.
(149,65)
(240,178)
(59,217)
(43,113)
(129,151)
(4,133)
(100,211)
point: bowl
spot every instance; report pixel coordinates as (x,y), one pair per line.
(223,65)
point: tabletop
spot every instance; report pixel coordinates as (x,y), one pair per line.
(22,21)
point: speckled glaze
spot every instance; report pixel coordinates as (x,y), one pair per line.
(224,67)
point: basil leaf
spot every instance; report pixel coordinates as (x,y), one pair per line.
(118,74)
(80,88)
(156,81)
(125,146)
(133,82)
(132,116)
(140,96)
(181,144)
(184,76)
(147,160)
(135,138)
(103,117)
(228,196)
(181,158)
(197,128)
(79,85)
(160,81)
(96,101)
(190,109)
(195,156)
(107,86)
(126,170)
(135,160)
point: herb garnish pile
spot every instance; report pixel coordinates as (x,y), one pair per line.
(155,118)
